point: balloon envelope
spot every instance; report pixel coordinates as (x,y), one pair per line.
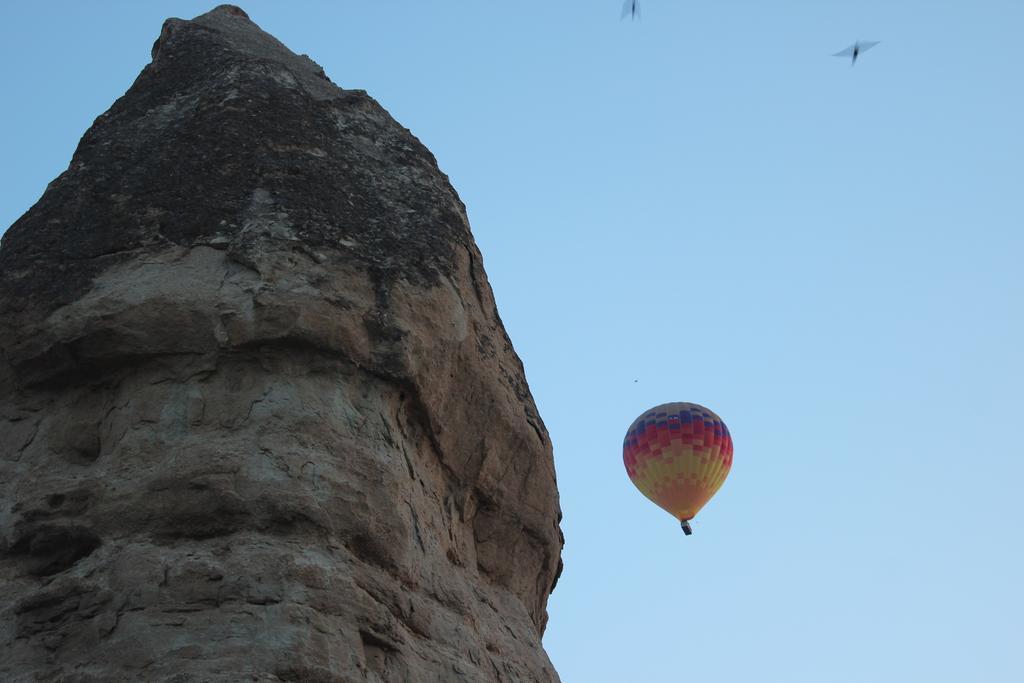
(678,455)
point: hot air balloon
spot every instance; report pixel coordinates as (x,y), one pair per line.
(678,455)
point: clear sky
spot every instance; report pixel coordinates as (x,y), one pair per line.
(706,206)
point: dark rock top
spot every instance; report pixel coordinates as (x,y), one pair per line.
(222,111)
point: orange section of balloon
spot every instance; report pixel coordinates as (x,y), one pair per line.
(678,455)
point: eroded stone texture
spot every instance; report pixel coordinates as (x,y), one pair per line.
(259,418)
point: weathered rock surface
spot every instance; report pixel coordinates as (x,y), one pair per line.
(259,418)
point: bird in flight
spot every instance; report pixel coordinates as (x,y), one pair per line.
(854,50)
(631,8)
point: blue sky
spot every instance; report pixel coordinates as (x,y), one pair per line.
(706,206)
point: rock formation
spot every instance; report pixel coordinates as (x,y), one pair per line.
(259,418)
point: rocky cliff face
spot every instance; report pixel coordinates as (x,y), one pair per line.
(259,419)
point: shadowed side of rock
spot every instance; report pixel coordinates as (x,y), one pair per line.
(258,414)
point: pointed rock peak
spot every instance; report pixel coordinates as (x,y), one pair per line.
(227,35)
(233,10)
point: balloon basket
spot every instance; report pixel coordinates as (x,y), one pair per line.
(685,524)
